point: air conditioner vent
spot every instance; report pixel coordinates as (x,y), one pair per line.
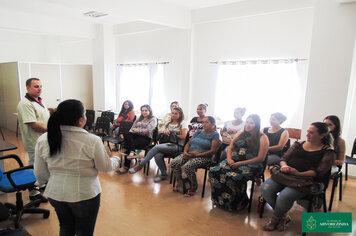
(94,14)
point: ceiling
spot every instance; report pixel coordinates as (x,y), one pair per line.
(166,12)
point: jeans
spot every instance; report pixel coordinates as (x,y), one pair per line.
(283,202)
(77,218)
(158,152)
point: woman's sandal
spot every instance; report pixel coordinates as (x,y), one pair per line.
(121,171)
(190,193)
(175,190)
(283,223)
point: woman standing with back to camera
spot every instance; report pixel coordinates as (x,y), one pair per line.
(69,159)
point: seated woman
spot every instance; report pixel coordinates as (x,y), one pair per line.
(167,118)
(180,128)
(245,157)
(277,136)
(69,159)
(196,123)
(339,144)
(230,129)
(311,158)
(140,135)
(198,153)
(127,114)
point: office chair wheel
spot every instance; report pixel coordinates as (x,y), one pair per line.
(45,215)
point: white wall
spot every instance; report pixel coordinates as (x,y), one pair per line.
(330,84)
(27,47)
(277,35)
(172,45)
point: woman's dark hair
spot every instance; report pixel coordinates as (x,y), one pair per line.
(149,109)
(253,137)
(212,120)
(323,129)
(181,116)
(279,116)
(337,130)
(68,113)
(174,102)
(123,110)
(204,106)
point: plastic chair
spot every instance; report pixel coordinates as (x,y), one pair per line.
(350,160)
(109,114)
(336,177)
(18,180)
(90,119)
(253,180)
(117,140)
(102,126)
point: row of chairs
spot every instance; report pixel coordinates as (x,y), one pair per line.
(293,133)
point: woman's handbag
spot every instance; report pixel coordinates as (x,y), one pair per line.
(168,138)
(302,184)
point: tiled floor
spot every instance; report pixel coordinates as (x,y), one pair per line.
(135,205)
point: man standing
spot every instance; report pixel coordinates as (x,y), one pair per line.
(33,117)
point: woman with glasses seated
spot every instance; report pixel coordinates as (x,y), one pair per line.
(198,153)
(179,127)
(245,157)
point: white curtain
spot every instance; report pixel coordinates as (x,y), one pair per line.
(142,84)
(261,88)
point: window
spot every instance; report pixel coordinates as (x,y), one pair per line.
(261,88)
(142,84)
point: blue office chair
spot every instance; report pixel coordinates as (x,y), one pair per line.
(18,180)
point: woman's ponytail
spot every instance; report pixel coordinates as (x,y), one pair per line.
(54,134)
(68,113)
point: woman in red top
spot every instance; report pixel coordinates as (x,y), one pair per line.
(127,114)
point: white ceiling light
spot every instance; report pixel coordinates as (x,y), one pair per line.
(94,14)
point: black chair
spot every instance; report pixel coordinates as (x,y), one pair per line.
(350,160)
(102,126)
(336,177)
(214,163)
(125,127)
(90,119)
(253,180)
(109,114)
(18,180)
(206,169)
